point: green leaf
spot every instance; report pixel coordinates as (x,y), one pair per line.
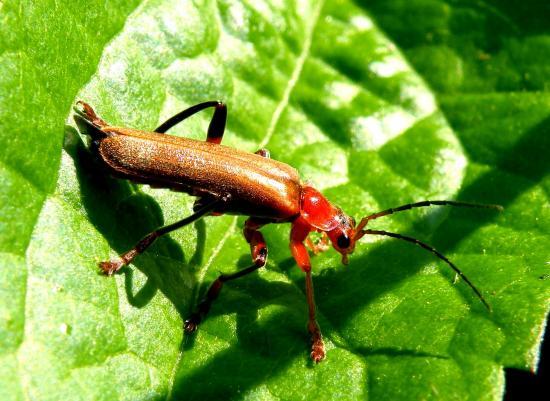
(377,105)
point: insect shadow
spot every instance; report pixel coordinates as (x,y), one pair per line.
(270,344)
(122,214)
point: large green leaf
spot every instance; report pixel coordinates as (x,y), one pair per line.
(324,89)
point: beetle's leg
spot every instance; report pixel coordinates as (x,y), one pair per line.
(196,317)
(320,246)
(216,128)
(298,234)
(217,124)
(258,247)
(203,200)
(264,153)
(113,266)
(258,250)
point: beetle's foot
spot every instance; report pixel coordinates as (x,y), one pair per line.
(317,348)
(111,267)
(317,344)
(318,352)
(191,324)
(320,247)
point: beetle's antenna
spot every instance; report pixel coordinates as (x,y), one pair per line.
(432,250)
(408,206)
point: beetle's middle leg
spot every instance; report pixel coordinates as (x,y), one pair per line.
(216,128)
(320,246)
(258,249)
(112,266)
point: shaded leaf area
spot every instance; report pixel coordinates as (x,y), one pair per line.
(324,89)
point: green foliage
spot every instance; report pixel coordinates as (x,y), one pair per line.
(378,105)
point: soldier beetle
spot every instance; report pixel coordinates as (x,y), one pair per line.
(231,181)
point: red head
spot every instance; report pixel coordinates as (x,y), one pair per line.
(322,216)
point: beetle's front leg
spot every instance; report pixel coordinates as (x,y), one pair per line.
(258,250)
(319,246)
(298,234)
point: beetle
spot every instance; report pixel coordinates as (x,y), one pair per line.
(232,181)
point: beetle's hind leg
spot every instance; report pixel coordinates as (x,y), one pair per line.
(258,249)
(112,266)
(216,128)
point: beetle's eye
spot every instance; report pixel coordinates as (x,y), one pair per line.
(343,241)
